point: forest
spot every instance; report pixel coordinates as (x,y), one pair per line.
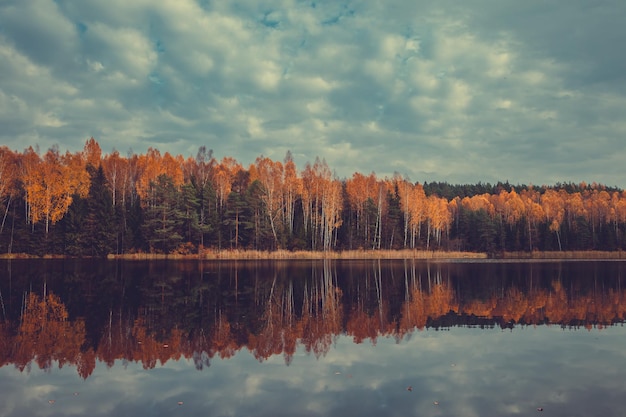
(92,204)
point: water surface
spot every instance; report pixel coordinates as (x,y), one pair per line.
(309,338)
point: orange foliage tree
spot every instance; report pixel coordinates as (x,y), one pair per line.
(51,183)
(553,206)
(8,178)
(225,172)
(151,166)
(360,189)
(92,153)
(533,212)
(413,203)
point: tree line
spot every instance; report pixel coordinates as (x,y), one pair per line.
(92,204)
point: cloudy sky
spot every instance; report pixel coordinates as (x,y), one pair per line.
(480,90)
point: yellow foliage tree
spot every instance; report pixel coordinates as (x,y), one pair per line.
(51,183)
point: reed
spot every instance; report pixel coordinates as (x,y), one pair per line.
(294,255)
(212,254)
(565,255)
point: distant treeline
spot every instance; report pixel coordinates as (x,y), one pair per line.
(90,204)
(451,191)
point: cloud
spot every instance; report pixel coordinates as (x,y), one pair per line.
(525,92)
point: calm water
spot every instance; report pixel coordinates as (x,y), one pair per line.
(352,338)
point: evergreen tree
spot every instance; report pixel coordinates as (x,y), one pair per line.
(204,201)
(393,231)
(88,228)
(239,220)
(163,218)
(99,225)
(262,237)
(190,208)
(72,228)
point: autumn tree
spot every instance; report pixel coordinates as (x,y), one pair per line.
(8,181)
(380,202)
(596,202)
(331,212)
(362,192)
(618,213)
(508,211)
(533,212)
(310,195)
(223,177)
(292,188)
(92,153)
(224,173)
(151,166)
(122,176)
(553,205)
(117,176)
(416,201)
(405,187)
(270,175)
(322,204)
(438,218)
(51,183)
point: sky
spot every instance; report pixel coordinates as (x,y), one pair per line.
(479,90)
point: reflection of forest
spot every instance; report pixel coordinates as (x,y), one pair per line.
(78,314)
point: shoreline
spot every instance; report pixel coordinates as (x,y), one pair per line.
(400,254)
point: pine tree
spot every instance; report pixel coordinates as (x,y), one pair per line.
(99,232)
(163,218)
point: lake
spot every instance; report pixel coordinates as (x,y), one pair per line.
(312,338)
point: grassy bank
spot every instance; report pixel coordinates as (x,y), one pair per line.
(591,254)
(354,254)
(283,254)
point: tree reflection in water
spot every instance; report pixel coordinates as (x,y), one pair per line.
(153,312)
